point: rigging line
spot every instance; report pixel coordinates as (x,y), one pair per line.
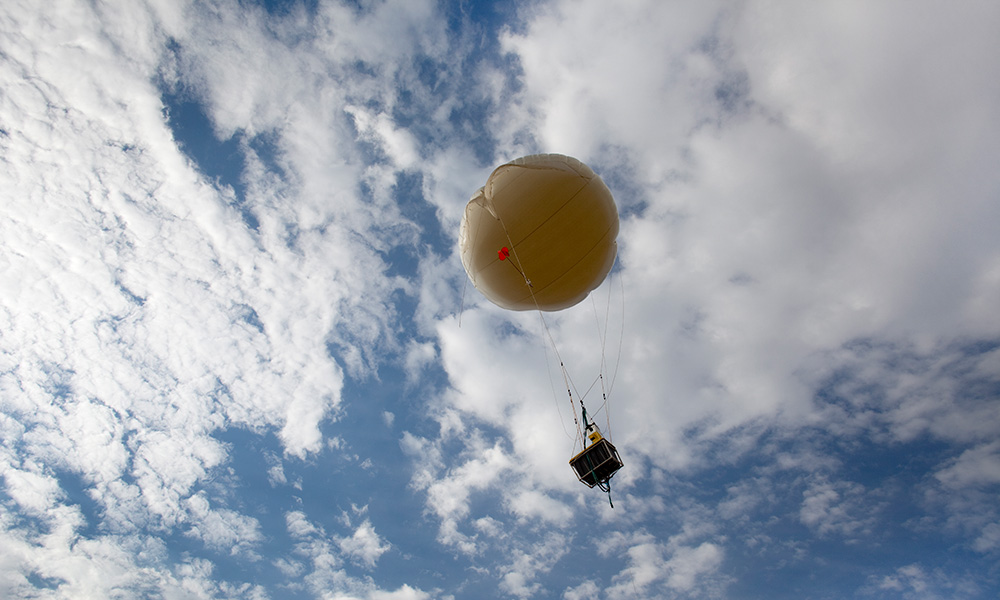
(607,413)
(604,395)
(602,332)
(567,380)
(587,393)
(566,377)
(519,272)
(621,341)
(621,336)
(603,336)
(461,310)
(607,392)
(555,400)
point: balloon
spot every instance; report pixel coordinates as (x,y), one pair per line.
(540,234)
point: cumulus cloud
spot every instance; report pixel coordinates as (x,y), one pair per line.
(525,566)
(222,529)
(449,496)
(668,569)
(587,589)
(327,554)
(364,544)
(977,467)
(919,581)
(836,507)
(964,488)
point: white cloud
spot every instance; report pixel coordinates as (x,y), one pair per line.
(140,314)
(965,491)
(519,575)
(418,357)
(585,591)
(789,199)
(364,545)
(977,467)
(328,577)
(808,202)
(378,128)
(298,524)
(633,85)
(910,577)
(403,593)
(502,372)
(781,221)
(837,507)
(745,497)
(666,569)
(989,539)
(276,471)
(34,492)
(529,504)
(916,581)
(448,497)
(102,566)
(222,529)
(688,564)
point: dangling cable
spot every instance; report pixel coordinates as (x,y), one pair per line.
(605,486)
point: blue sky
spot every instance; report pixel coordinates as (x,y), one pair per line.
(239,356)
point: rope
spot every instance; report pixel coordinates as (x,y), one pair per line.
(621,337)
(552,386)
(461,311)
(603,336)
(567,380)
(587,393)
(604,342)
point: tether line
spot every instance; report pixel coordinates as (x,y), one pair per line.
(567,380)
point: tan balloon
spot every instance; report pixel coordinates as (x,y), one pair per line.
(558,221)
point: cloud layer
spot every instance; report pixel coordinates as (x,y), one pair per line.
(231,312)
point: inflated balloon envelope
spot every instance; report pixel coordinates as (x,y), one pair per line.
(540,234)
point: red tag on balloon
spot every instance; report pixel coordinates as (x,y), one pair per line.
(503,253)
